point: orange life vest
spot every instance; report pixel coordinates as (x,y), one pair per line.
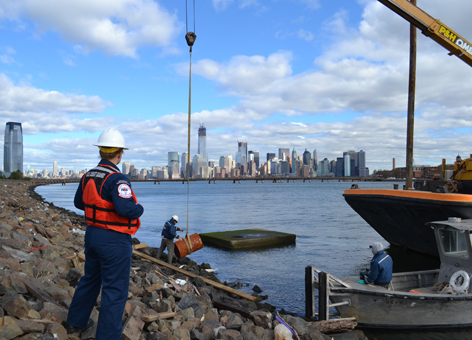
(99,212)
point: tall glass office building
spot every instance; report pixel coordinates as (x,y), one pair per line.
(173,164)
(202,148)
(13,148)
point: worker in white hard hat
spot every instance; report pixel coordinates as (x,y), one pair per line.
(112,215)
(169,233)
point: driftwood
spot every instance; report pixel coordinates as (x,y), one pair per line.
(226,305)
(151,318)
(133,325)
(190,274)
(335,326)
(139,246)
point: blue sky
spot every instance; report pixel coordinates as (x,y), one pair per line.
(330,75)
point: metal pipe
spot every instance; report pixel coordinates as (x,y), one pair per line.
(339,304)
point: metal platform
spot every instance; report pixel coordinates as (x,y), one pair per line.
(247,239)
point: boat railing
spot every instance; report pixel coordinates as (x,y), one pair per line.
(322,283)
(418,279)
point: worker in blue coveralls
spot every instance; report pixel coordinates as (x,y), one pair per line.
(169,233)
(381,267)
(112,215)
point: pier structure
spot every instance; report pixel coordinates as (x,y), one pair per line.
(275,179)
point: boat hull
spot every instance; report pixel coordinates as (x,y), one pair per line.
(405,311)
(399,216)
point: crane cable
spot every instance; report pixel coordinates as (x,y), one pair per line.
(190,37)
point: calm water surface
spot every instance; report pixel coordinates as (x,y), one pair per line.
(330,235)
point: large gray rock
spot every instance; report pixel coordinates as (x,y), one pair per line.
(30,326)
(17,307)
(190,301)
(20,255)
(229,334)
(9,329)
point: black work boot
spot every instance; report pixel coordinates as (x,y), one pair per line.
(72,329)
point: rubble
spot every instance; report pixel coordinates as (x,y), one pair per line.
(40,258)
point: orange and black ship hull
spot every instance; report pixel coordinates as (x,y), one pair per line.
(399,216)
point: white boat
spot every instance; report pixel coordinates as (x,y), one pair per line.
(431,299)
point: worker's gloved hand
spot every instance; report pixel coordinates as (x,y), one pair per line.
(362,282)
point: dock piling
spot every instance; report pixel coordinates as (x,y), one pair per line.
(324,296)
(309,292)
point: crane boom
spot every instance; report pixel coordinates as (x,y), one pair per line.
(432,28)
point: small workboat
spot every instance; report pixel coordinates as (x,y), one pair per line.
(430,299)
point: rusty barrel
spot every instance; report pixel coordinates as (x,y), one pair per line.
(181,248)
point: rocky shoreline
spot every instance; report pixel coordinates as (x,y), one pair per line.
(40,255)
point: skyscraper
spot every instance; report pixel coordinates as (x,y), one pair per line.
(323,167)
(54,169)
(347,165)
(184,162)
(294,161)
(284,154)
(13,148)
(361,163)
(125,168)
(354,171)
(255,154)
(173,164)
(197,165)
(315,159)
(202,149)
(307,158)
(339,167)
(241,156)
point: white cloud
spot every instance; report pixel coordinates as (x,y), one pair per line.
(116,27)
(29,99)
(244,75)
(305,35)
(7,58)
(312,4)
(221,5)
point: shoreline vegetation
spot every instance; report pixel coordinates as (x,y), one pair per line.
(41,259)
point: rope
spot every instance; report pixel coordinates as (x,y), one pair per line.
(188,243)
(190,38)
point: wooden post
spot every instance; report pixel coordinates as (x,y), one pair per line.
(309,292)
(324,296)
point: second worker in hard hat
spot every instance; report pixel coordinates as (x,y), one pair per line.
(169,233)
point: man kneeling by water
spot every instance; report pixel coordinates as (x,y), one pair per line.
(381,267)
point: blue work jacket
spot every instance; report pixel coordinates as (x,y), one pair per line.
(381,268)
(170,230)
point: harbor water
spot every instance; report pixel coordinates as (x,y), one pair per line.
(329,234)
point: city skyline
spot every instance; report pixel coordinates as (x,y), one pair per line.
(330,76)
(175,169)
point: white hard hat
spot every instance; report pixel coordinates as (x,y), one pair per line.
(111,138)
(175,218)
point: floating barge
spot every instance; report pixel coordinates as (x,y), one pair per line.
(247,238)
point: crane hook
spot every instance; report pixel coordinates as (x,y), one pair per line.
(190,37)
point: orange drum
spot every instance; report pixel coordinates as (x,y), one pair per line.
(181,248)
